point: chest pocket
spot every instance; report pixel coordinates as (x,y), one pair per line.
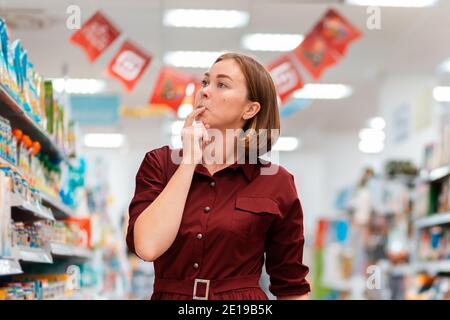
(253,215)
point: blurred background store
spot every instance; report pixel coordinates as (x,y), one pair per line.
(365,131)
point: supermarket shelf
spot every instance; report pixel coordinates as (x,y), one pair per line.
(439,173)
(37,210)
(61,210)
(38,255)
(59,249)
(433,220)
(402,269)
(9,267)
(433,267)
(10,109)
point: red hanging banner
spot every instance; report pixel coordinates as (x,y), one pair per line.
(95,36)
(286,77)
(337,31)
(170,88)
(315,54)
(128,64)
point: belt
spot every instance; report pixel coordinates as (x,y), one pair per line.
(193,286)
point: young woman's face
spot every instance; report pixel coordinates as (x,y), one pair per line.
(224,95)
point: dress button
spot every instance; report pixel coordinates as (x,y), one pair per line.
(207,209)
(212,183)
(199,236)
(196,265)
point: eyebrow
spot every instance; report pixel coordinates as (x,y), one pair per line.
(219,76)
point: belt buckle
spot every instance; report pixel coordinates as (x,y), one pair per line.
(197,281)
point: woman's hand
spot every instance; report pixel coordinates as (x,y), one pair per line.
(194,137)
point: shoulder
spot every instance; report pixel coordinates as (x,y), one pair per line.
(272,171)
(163,159)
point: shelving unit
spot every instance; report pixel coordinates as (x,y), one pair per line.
(37,210)
(439,173)
(10,109)
(62,250)
(38,255)
(433,220)
(60,210)
(9,267)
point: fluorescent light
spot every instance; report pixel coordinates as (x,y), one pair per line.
(78,86)
(103,140)
(323,91)
(192,18)
(191,59)
(271,41)
(377,123)
(370,146)
(286,144)
(369,134)
(394,3)
(441,94)
(184,110)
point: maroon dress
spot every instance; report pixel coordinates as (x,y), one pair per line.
(230,220)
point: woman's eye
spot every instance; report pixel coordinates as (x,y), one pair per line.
(204,83)
(221,85)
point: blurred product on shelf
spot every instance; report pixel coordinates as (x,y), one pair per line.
(37,287)
(399,168)
(437,154)
(426,287)
(38,234)
(434,244)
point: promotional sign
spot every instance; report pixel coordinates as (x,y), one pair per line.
(129,64)
(286,77)
(170,88)
(95,36)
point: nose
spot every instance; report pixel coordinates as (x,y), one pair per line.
(204,92)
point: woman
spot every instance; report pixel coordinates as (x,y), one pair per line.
(206,225)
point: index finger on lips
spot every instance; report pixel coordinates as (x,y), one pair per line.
(191,117)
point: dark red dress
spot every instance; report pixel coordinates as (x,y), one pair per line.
(230,220)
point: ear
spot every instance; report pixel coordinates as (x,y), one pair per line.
(251,110)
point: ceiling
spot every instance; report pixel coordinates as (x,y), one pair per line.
(411,41)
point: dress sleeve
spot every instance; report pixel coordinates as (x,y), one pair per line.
(284,251)
(150,181)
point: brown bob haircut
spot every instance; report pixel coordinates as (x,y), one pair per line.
(261,89)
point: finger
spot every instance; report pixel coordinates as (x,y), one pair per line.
(191,117)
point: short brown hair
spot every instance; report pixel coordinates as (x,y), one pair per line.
(261,89)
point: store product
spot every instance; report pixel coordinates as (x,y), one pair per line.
(36,287)
(5,216)
(434,244)
(39,234)
(444,196)
(422,200)
(399,168)
(438,154)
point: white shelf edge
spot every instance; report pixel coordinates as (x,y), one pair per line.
(432,220)
(439,173)
(38,255)
(9,267)
(433,266)
(57,205)
(39,211)
(69,251)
